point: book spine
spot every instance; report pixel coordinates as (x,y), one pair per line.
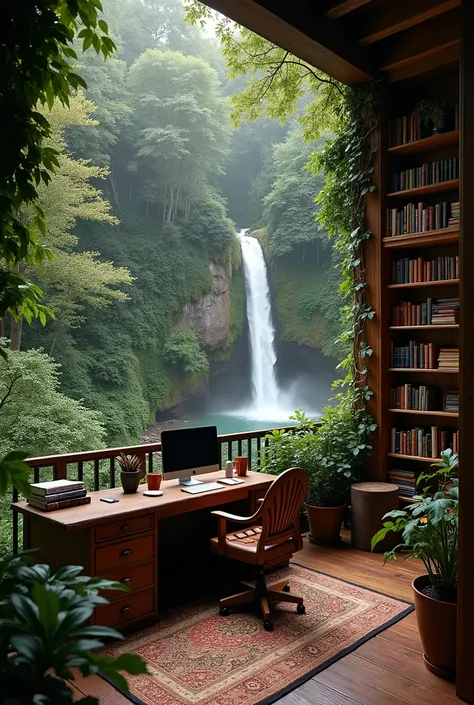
(60,505)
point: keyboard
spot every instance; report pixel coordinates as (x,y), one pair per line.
(204,487)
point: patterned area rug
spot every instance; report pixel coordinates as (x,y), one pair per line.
(197,657)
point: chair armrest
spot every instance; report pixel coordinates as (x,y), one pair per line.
(223,518)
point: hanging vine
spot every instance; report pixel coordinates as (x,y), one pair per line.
(346,161)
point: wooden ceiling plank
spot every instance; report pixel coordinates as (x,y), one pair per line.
(399,16)
(429,37)
(343,8)
(425,62)
(299,28)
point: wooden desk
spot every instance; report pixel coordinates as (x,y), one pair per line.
(122,541)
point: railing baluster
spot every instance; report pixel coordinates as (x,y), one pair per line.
(259,442)
(229,450)
(96,474)
(239,447)
(112,473)
(150,461)
(80,470)
(249,452)
(36,474)
(15,523)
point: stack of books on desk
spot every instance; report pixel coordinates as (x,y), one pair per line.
(58,494)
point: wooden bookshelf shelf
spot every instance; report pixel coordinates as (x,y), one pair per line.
(432,237)
(446,414)
(445,139)
(430,327)
(416,285)
(414,457)
(432,189)
(435,371)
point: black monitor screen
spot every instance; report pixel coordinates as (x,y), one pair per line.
(188,448)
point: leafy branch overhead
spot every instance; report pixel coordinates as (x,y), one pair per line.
(37,58)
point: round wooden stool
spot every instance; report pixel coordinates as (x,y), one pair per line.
(369,502)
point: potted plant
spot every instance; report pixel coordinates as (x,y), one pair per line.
(331,453)
(429,531)
(130,472)
(433,113)
(341,443)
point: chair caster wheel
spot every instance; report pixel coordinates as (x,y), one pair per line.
(224,611)
(286,588)
(268,625)
(301,609)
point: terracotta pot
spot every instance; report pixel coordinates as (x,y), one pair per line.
(130,481)
(437,626)
(325,523)
(241,465)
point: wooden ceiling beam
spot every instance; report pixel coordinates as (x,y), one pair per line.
(434,41)
(303,30)
(343,8)
(396,17)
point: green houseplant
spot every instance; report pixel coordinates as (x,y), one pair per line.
(331,453)
(432,113)
(429,530)
(44,634)
(130,472)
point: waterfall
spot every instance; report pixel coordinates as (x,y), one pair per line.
(265,392)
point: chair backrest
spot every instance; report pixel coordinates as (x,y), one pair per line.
(280,511)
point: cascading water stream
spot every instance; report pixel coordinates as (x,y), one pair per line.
(265,392)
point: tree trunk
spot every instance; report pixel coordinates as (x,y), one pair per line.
(114,190)
(2,328)
(15,333)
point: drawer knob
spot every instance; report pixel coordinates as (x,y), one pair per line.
(126,527)
(126,580)
(126,609)
(126,552)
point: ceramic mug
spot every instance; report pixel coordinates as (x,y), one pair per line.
(154,480)
(241,464)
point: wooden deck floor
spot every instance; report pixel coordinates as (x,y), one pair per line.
(387,670)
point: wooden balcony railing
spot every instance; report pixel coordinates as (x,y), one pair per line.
(98,468)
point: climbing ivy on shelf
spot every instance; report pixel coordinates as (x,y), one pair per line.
(347,162)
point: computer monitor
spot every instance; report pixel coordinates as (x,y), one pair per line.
(187,452)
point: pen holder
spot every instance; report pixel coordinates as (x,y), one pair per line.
(154,480)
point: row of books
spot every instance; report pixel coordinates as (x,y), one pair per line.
(415,398)
(405,481)
(58,494)
(426,175)
(448,359)
(442,312)
(424,356)
(453,221)
(417,218)
(411,271)
(422,442)
(409,128)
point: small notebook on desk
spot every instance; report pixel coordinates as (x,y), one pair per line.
(230,481)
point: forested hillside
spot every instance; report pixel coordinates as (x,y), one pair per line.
(136,220)
(152,182)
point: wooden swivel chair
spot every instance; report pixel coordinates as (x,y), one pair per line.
(271,537)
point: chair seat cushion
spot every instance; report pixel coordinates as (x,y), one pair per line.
(242,546)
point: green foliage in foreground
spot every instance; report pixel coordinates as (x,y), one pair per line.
(430,528)
(43,628)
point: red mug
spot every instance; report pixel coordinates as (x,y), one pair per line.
(154,480)
(241,464)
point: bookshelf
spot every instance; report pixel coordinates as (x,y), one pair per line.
(411,234)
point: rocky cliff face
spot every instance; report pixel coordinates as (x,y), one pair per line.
(209,317)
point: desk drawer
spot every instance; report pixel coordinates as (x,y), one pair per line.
(135,577)
(128,608)
(124,553)
(123,527)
